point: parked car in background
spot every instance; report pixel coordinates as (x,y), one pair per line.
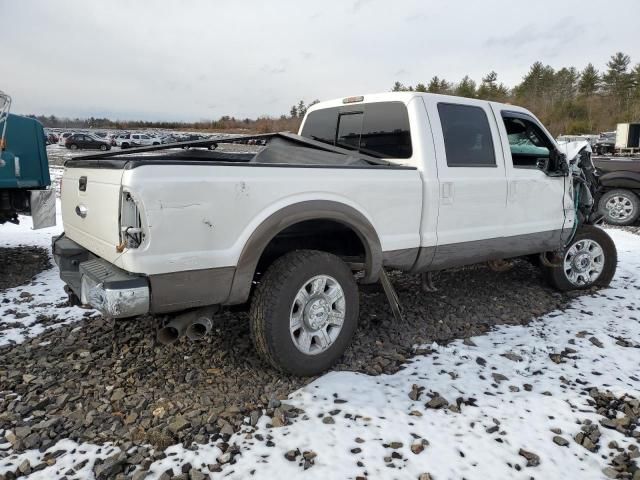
(605,144)
(52,139)
(619,180)
(62,138)
(191,137)
(128,140)
(86,141)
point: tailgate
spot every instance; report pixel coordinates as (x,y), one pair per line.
(91,209)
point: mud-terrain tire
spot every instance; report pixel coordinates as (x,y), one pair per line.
(589,260)
(292,308)
(620,207)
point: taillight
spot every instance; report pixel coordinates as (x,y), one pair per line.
(131,232)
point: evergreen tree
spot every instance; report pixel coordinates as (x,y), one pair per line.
(466,88)
(589,83)
(302,109)
(437,85)
(398,87)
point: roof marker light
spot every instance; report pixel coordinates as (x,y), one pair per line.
(353,99)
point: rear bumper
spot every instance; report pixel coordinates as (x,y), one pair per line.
(114,292)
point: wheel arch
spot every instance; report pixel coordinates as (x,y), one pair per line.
(621,179)
(294,214)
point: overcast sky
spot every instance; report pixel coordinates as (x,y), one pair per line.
(200,59)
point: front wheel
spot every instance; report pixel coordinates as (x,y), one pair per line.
(103,148)
(589,260)
(73,146)
(304,312)
(620,207)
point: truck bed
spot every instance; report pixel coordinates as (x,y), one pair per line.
(616,164)
(282,149)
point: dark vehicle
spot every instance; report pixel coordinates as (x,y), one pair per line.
(83,140)
(24,170)
(619,180)
(605,144)
(192,137)
(52,139)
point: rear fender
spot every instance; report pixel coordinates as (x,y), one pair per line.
(299,212)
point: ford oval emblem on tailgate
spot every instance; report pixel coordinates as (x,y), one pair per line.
(82,184)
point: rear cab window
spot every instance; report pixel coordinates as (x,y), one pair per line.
(379,129)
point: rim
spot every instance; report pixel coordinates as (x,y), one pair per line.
(317,315)
(619,207)
(584,262)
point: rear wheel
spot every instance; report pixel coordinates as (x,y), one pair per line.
(73,146)
(589,260)
(304,312)
(103,148)
(620,207)
(124,145)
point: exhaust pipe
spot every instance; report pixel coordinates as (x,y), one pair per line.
(195,323)
(199,328)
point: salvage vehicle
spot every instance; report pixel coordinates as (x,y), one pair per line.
(129,140)
(619,189)
(86,141)
(407,181)
(24,170)
(62,138)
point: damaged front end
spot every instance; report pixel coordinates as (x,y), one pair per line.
(584,180)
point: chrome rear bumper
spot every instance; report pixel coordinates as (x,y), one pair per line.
(107,288)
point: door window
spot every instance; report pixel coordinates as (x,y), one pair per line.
(135,137)
(527,142)
(467,136)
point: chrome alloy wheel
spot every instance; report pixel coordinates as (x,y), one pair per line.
(583,262)
(317,315)
(619,207)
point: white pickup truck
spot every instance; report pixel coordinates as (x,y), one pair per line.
(408,181)
(128,140)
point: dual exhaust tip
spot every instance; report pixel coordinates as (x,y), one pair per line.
(195,324)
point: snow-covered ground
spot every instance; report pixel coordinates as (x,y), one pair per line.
(504,391)
(46,288)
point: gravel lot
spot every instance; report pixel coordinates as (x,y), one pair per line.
(99,384)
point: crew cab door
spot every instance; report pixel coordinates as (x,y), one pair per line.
(535,201)
(473,186)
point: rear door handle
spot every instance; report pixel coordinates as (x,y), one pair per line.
(446,193)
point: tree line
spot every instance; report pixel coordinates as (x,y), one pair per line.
(567,100)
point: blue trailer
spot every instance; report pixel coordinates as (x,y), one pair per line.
(24,170)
